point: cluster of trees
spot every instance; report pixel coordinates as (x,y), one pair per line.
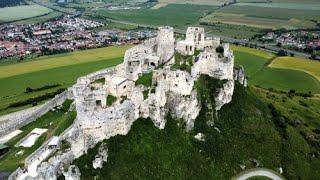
(7,3)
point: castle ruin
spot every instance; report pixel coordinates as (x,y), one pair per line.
(172,91)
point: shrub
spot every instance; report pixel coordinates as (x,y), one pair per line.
(282,53)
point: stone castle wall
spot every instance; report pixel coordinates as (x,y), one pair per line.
(13,121)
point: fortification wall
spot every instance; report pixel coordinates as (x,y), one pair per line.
(13,121)
(96,75)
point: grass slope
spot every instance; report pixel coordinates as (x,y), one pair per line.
(248,131)
(250,62)
(22,12)
(60,120)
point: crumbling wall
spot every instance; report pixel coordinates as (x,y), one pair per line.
(19,119)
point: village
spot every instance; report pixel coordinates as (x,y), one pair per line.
(65,34)
(300,40)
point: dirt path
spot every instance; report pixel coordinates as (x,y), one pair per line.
(256,172)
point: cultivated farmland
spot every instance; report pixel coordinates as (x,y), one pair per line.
(188,15)
(260,74)
(309,66)
(264,17)
(22,12)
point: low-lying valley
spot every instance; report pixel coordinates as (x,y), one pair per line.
(174,108)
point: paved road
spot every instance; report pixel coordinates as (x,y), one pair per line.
(258,172)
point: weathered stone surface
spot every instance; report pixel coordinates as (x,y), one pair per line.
(101,157)
(239,75)
(200,137)
(73,173)
(224,95)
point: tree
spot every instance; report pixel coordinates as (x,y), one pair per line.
(282,52)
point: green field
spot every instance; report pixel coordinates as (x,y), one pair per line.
(60,120)
(264,17)
(286,79)
(22,12)
(230,30)
(271,13)
(250,62)
(250,129)
(188,15)
(255,63)
(309,66)
(61,69)
(40,19)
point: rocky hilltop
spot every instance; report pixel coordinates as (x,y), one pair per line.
(157,78)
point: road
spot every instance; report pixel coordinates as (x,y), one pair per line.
(256,172)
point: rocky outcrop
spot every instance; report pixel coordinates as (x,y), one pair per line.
(224,95)
(101,157)
(239,75)
(73,173)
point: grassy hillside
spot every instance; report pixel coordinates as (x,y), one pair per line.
(247,129)
(22,12)
(61,69)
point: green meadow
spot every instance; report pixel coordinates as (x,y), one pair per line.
(63,69)
(22,12)
(256,65)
